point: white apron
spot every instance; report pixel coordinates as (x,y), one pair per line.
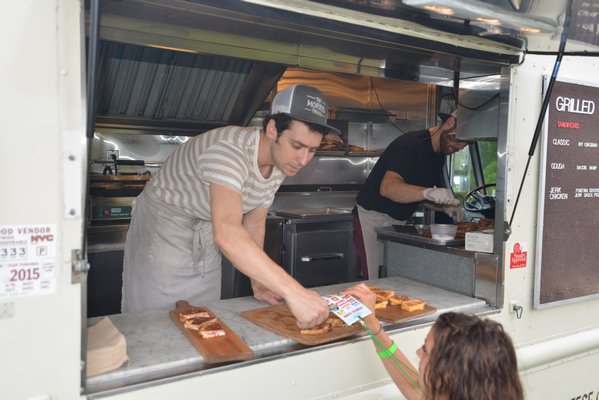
(169,256)
(371,220)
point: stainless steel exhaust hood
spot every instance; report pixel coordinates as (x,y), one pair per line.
(148,89)
(183,67)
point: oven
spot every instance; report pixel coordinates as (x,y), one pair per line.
(314,246)
(318,246)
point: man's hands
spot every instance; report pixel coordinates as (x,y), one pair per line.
(308,308)
(454,211)
(306,305)
(440,196)
(263,294)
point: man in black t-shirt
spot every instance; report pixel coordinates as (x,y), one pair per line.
(408,172)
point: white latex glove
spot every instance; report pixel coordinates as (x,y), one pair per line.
(454,211)
(440,196)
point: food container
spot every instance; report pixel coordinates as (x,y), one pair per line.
(410,229)
(421,229)
(443,232)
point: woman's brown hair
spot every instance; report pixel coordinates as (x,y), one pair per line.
(471,359)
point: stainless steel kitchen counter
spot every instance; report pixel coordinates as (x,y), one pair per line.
(158,350)
(389,233)
(453,268)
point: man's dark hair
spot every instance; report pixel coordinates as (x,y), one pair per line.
(283,122)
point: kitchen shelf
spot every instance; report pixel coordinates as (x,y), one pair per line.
(366,153)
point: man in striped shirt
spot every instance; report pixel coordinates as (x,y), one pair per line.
(211,197)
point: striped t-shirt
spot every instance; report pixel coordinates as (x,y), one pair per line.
(227,156)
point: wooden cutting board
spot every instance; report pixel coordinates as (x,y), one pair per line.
(396,314)
(214,350)
(278,319)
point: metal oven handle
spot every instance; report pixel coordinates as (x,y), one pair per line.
(320,257)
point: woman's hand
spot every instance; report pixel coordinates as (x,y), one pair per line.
(362,293)
(368,298)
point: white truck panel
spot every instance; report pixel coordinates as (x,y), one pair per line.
(42,89)
(43,167)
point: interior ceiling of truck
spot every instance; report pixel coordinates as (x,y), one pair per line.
(183,67)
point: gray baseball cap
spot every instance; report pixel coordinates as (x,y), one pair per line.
(303,103)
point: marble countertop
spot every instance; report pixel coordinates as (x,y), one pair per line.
(158,349)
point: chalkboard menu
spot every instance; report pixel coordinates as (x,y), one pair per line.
(567,259)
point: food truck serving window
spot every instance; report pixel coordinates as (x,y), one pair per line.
(567,250)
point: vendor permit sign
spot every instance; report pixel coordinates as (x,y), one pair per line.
(346,307)
(27,258)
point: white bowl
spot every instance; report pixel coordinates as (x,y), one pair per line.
(443,232)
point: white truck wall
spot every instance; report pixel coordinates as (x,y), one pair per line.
(42,156)
(41,113)
(574,370)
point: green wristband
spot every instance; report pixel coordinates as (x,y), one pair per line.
(388,352)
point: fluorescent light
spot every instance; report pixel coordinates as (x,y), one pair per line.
(530,30)
(490,21)
(439,9)
(488,83)
(478,11)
